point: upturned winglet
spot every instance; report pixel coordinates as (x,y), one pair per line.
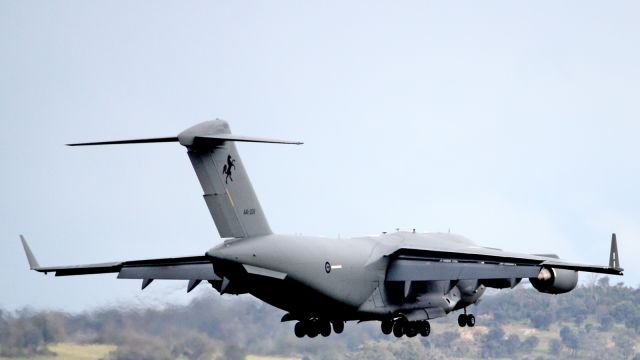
(614,259)
(33,263)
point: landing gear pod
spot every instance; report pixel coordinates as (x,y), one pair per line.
(555,281)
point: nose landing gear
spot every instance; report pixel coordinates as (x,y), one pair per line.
(466,320)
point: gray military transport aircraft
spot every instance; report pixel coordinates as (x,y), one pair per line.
(402,279)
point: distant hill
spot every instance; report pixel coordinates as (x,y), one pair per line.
(595,321)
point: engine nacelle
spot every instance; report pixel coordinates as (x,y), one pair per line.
(555,281)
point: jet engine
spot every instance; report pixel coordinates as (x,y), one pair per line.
(555,281)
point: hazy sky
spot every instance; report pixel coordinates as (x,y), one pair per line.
(516,124)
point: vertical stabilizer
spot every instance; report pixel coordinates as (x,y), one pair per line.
(227,190)
(228,193)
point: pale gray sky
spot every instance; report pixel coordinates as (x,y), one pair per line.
(515,124)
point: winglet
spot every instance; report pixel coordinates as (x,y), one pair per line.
(614,260)
(33,263)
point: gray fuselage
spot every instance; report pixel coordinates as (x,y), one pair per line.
(337,278)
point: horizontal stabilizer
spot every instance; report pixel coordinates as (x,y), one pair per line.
(131,141)
(230,137)
(201,140)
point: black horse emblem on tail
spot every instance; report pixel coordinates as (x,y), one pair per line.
(226,170)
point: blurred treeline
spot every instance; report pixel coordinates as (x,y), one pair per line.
(598,320)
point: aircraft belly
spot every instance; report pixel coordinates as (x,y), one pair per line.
(296,298)
(314,268)
(322,294)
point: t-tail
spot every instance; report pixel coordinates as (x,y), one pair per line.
(228,193)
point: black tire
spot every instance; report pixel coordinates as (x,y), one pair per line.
(299,329)
(462,320)
(411,329)
(312,328)
(338,326)
(471,320)
(425,328)
(398,328)
(325,328)
(386,326)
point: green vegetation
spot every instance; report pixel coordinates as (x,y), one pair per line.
(595,321)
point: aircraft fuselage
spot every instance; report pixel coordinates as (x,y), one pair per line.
(335,278)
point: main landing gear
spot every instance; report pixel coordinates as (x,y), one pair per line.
(402,326)
(466,320)
(315,327)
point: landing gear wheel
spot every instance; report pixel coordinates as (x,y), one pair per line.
(425,328)
(471,320)
(386,326)
(398,328)
(411,329)
(338,326)
(312,328)
(325,328)
(462,320)
(299,329)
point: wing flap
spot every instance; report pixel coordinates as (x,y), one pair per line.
(202,271)
(418,270)
(469,255)
(89,269)
(585,267)
(180,268)
(414,264)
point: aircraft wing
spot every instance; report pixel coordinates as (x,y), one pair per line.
(192,268)
(420,264)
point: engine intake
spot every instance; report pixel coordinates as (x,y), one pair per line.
(555,281)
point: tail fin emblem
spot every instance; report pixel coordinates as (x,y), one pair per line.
(226,170)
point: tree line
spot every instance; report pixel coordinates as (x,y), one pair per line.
(595,320)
